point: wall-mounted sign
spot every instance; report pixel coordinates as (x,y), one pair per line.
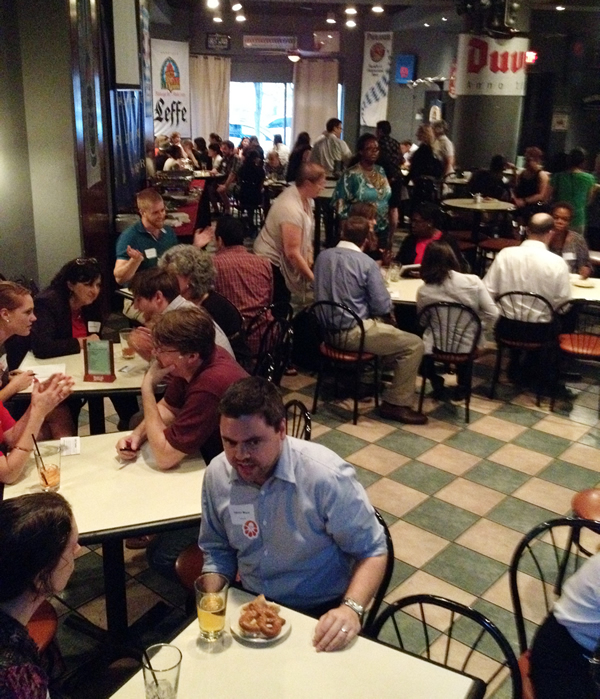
(270,43)
(99,361)
(405,68)
(171,87)
(487,66)
(377,60)
(218,42)
(560,121)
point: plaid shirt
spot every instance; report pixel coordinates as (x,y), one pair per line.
(244,278)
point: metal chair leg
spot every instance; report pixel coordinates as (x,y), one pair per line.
(497,368)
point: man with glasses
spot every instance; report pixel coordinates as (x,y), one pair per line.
(185,421)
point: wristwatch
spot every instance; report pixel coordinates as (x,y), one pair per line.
(355,607)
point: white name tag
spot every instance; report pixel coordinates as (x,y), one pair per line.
(93,326)
(240,514)
(568,256)
(70,445)
(151,253)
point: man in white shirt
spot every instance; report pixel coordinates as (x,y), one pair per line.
(443,146)
(329,151)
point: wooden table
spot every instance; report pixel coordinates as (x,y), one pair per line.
(127,382)
(292,669)
(111,503)
(478,209)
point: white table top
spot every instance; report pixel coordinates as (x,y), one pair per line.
(293,669)
(106,497)
(404,290)
(589,294)
(485,205)
(74,367)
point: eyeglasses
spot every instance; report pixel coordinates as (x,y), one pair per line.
(164,350)
(86,261)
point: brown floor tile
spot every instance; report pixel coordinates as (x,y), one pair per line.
(436,430)
(561,427)
(395,498)
(414,545)
(494,427)
(294,383)
(470,496)
(491,539)
(140,599)
(367,429)
(545,494)
(318,430)
(424,583)
(521,459)
(378,459)
(484,405)
(449,459)
(530,594)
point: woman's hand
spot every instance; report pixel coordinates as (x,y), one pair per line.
(45,397)
(20,380)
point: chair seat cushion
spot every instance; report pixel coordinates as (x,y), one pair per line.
(581,344)
(43,625)
(586,504)
(343,355)
(450,358)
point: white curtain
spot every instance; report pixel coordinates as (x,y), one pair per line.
(315,95)
(209,95)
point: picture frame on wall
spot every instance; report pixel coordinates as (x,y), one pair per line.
(218,42)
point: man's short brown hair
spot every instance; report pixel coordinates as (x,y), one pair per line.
(356,230)
(147,198)
(188,330)
(148,282)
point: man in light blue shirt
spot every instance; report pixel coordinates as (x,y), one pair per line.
(345,274)
(290,517)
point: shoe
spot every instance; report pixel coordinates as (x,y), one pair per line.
(438,387)
(402,413)
(138,542)
(459,394)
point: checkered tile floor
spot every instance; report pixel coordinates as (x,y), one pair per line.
(457,497)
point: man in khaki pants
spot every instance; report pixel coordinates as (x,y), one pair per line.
(346,275)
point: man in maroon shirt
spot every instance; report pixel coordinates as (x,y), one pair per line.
(242,277)
(186,420)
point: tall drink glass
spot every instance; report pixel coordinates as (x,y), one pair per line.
(161,665)
(211,604)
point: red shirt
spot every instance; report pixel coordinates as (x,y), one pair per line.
(6,422)
(422,244)
(78,325)
(244,279)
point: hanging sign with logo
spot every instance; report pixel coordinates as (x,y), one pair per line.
(487,66)
(377,60)
(171,87)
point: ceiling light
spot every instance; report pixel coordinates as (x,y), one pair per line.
(240,16)
(426,24)
(350,23)
(218,19)
(560,8)
(350,10)
(212,4)
(236,6)
(330,18)
(294,57)
(444,19)
(377,8)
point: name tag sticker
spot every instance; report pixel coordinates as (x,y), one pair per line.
(240,514)
(568,255)
(151,253)
(93,326)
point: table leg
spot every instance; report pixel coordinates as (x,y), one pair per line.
(96,408)
(476,226)
(113,562)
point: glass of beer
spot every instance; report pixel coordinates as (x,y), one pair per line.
(48,466)
(127,351)
(211,604)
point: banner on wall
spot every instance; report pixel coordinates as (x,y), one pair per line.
(377,60)
(487,66)
(171,87)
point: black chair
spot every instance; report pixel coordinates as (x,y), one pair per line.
(579,337)
(371,615)
(274,350)
(342,343)
(526,322)
(542,561)
(455,330)
(256,325)
(419,632)
(298,419)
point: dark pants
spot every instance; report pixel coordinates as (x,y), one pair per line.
(162,551)
(559,669)
(281,294)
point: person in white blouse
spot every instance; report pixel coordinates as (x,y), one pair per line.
(444,282)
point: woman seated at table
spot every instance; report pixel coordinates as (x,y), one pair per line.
(38,544)
(564,644)
(274,168)
(16,319)
(177,161)
(364,181)
(440,270)
(423,232)
(571,246)
(196,275)
(67,315)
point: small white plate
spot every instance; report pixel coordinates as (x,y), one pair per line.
(583,283)
(237,632)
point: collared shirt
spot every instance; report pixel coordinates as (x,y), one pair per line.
(296,538)
(140,239)
(530,267)
(346,275)
(329,152)
(243,278)
(220,337)
(354,187)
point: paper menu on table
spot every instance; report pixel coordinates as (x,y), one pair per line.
(45,371)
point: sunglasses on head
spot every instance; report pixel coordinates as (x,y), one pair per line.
(86,261)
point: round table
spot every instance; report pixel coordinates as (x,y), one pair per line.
(478,208)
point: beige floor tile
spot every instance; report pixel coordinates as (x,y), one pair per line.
(582,455)
(470,496)
(377,459)
(434,429)
(424,583)
(587,400)
(491,539)
(530,593)
(494,427)
(109,408)
(294,383)
(140,599)
(367,429)
(545,494)
(520,459)
(561,427)
(294,395)
(414,545)
(318,430)
(395,498)
(478,664)
(484,405)
(449,459)
(135,561)
(527,400)
(83,431)
(60,608)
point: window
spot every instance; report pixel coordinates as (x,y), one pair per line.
(262,110)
